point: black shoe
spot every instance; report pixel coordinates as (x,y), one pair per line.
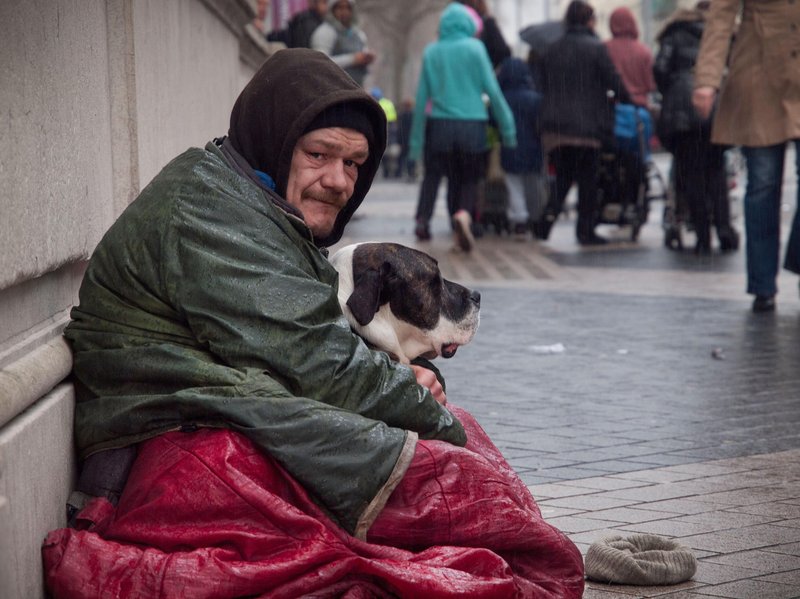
(728,239)
(422,231)
(702,249)
(541,228)
(764,303)
(592,239)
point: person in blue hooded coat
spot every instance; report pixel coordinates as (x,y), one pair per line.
(522,165)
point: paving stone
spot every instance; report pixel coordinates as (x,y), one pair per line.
(763,560)
(711,573)
(681,506)
(631,515)
(579,524)
(645,591)
(750,537)
(751,589)
(593,501)
(777,509)
(792,577)
(557,490)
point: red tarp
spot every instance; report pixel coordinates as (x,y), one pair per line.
(206,515)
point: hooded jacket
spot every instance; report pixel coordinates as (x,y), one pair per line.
(679,45)
(516,82)
(456,72)
(632,59)
(208,303)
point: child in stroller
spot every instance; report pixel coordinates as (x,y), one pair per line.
(625,171)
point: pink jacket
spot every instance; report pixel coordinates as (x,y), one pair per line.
(632,59)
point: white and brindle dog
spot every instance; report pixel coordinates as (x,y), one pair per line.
(397,300)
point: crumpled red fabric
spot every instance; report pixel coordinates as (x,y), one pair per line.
(207,515)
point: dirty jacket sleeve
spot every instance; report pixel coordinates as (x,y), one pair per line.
(205,305)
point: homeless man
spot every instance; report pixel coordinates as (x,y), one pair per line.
(275,453)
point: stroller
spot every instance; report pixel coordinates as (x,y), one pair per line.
(626,171)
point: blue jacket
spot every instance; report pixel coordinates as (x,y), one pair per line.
(516,82)
(456,72)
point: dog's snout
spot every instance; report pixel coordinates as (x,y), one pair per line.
(475,298)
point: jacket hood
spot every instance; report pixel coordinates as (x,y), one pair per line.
(683,17)
(623,24)
(514,74)
(456,23)
(273,110)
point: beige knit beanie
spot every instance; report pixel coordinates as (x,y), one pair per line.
(641,560)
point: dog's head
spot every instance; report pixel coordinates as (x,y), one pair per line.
(396,298)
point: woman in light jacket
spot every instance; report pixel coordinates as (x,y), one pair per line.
(759,109)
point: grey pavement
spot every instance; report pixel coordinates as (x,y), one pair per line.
(633,390)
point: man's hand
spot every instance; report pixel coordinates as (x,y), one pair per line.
(703,100)
(427,378)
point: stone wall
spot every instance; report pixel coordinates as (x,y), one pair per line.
(95,97)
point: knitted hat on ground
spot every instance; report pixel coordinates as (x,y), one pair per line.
(640,560)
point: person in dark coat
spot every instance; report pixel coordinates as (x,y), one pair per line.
(490,35)
(579,87)
(699,165)
(522,165)
(297,33)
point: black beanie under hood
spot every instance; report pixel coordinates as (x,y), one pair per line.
(295,91)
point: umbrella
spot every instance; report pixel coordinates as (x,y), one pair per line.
(540,35)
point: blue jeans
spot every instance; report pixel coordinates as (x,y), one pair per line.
(762,213)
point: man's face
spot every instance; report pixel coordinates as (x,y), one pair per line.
(343,12)
(323,175)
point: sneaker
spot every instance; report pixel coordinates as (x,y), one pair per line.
(422,231)
(764,303)
(462,229)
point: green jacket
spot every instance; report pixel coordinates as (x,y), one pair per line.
(207,305)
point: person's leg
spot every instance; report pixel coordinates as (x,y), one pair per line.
(792,260)
(517,210)
(762,221)
(717,185)
(691,170)
(466,171)
(587,162)
(562,159)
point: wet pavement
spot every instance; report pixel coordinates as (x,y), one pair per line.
(633,390)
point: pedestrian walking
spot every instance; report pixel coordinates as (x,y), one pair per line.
(456,74)
(580,86)
(297,33)
(522,165)
(340,38)
(759,110)
(699,165)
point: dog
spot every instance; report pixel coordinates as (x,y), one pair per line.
(396,299)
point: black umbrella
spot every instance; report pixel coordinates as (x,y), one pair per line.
(540,35)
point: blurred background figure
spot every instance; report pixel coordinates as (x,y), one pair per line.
(340,38)
(759,109)
(297,33)
(456,74)
(490,33)
(579,87)
(405,117)
(699,166)
(522,165)
(632,59)
(390,156)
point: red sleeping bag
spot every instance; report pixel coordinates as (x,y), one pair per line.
(207,515)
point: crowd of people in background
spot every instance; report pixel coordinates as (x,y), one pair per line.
(549,119)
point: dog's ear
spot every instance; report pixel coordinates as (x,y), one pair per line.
(365,300)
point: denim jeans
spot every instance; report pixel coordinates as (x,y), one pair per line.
(762,212)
